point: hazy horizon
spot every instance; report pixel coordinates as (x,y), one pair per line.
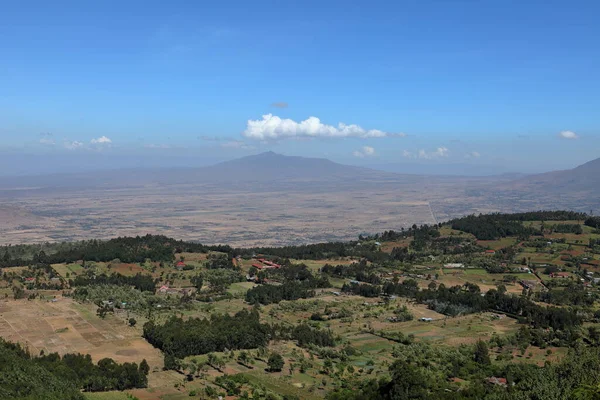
(427,85)
(15,165)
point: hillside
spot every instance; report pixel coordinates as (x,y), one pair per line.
(493,306)
(584,178)
(574,189)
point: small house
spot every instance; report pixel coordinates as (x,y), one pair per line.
(497,381)
(163,289)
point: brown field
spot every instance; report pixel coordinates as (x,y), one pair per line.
(68,327)
(268,214)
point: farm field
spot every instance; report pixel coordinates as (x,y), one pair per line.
(375,300)
(65,327)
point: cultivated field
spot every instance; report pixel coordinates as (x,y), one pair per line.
(237,214)
(65,326)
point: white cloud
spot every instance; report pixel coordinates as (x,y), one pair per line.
(438,153)
(441,152)
(366,151)
(73,145)
(47,139)
(568,135)
(408,154)
(271,127)
(473,154)
(237,144)
(101,140)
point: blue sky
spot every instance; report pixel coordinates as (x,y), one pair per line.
(510,84)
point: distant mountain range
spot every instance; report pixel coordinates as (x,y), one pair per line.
(582,179)
(275,169)
(268,167)
(270,199)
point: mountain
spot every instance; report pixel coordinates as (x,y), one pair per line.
(582,179)
(576,189)
(268,167)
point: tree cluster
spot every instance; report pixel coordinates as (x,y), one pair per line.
(268,294)
(593,222)
(362,289)
(52,377)
(180,338)
(142,282)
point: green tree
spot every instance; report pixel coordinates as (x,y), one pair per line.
(481,354)
(275,362)
(170,362)
(144,367)
(408,382)
(198,282)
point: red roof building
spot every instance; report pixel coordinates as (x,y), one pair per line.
(271,264)
(266,265)
(497,381)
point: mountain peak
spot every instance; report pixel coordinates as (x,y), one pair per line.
(271,166)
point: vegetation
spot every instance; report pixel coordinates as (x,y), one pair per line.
(53,377)
(495,226)
(484,307)
(576,377)
(141,282)
(181,338)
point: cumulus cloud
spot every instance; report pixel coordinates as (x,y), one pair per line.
(280,104)
(365,151)
(46,139)
(72,145)
(237,144)
(101,140)
(570,135)
(425,155)
(368,150)
(271,127)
